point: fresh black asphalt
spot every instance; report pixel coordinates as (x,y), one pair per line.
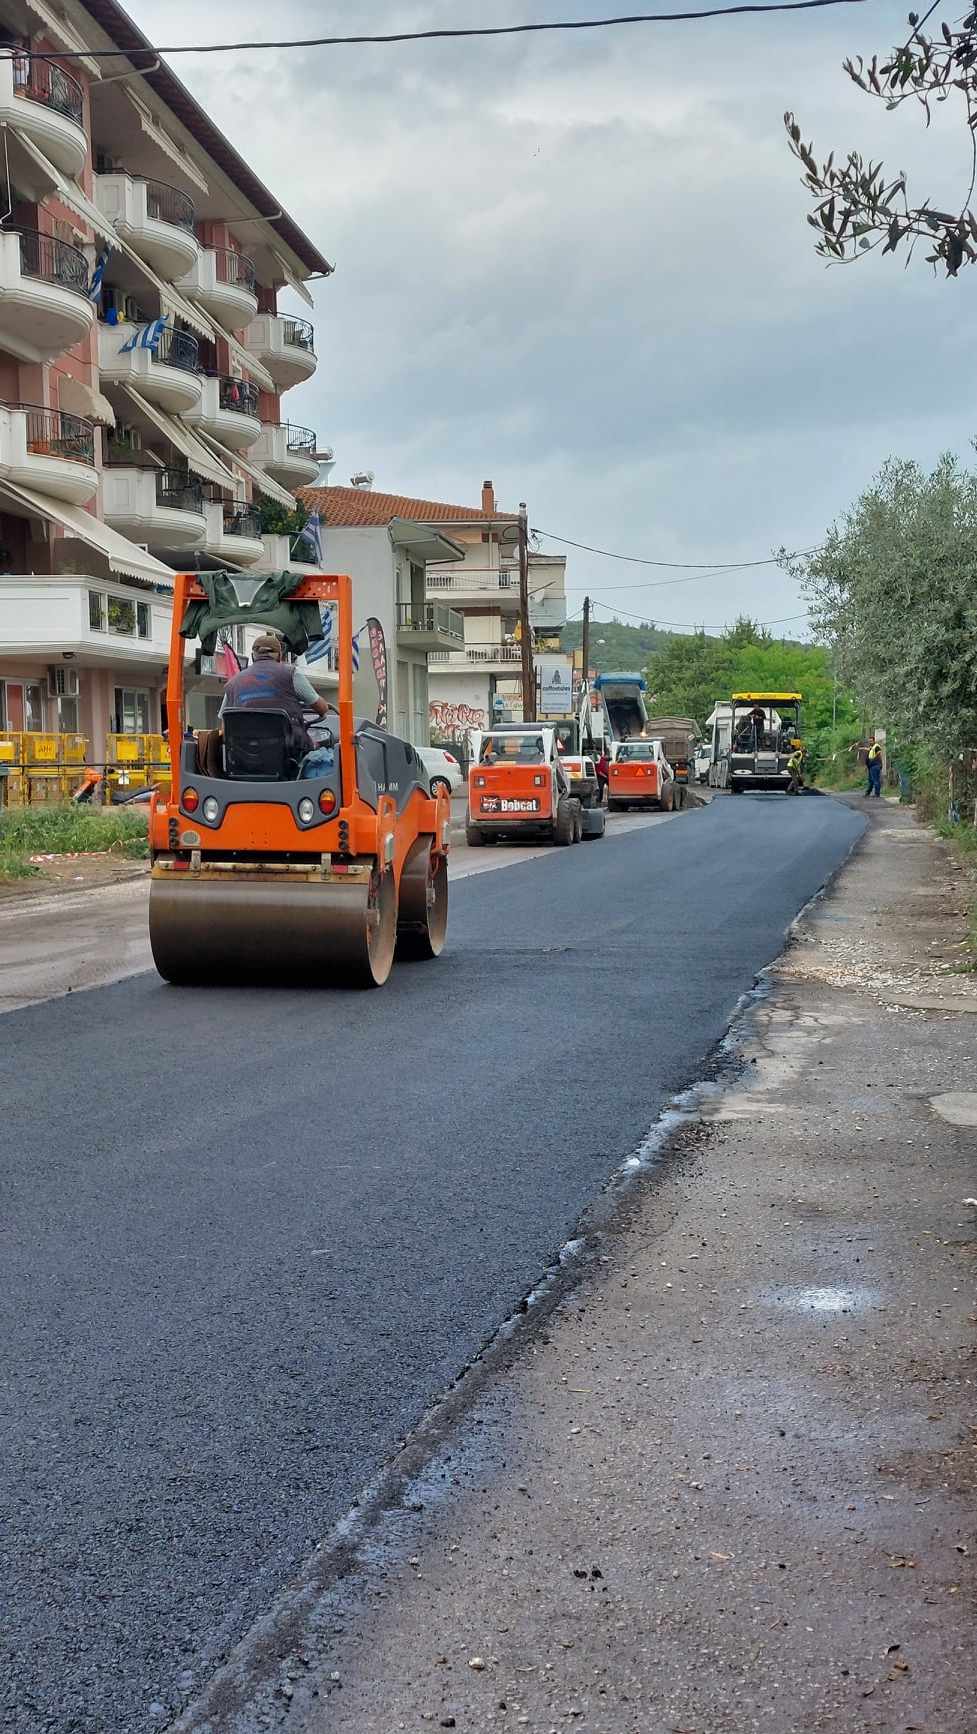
(247,1237)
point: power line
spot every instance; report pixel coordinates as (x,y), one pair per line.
(704,568)
(446,35)
(691,625)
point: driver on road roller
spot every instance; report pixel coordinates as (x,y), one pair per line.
(271,684)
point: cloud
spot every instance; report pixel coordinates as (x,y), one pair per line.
(580,265)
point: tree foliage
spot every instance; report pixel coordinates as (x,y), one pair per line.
(692,674)
(894,590)
(614,645)
(858,209)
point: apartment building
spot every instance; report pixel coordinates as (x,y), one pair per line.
(457,600)
(143,362)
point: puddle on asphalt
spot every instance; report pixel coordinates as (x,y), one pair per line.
(822,1300)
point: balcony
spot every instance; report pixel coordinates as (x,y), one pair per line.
(48,106)
(228,411)
(44,302)
(488,657)
(287,453)
(95,620)
(431,627)
(156,219)
(164,508)
(286,346)
(224,283)
(476,584)
(168,374)
(48,451)
(233,532)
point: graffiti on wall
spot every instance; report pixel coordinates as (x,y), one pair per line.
(450,718)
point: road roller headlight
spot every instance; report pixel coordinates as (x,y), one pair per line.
(327,802)
(191,800)
(306,811)
(211,810)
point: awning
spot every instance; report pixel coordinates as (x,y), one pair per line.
(79,399)
(424,543)
(63,33)
(293,281)
(66,190)
(172,303)
(198,457)
(251,365)
(153,130)
(121,555)
(261,481)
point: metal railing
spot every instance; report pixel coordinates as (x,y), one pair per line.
(178,349)
(178,492)
(299,333)
(477,578)
(431,617)
(42,81)
(245,522)
(166,204)
(300,439)
(237,394)
(479,653)
(52,434)
(235,268)
(53,261)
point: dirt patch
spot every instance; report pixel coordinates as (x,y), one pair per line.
(56,873)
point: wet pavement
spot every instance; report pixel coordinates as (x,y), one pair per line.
(249,1238)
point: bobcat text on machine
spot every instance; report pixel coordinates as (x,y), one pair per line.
(270,862)
(518,788)
(754,737)
(639,775)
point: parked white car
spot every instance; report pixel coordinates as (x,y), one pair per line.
(443,771)
(703,759)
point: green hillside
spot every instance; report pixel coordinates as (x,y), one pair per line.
(616,647)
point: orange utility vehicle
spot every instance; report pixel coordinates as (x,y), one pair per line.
(518,788)
(272,863)
(639,775)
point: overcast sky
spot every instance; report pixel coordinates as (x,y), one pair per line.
(580,265)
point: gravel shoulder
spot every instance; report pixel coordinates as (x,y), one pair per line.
(729,1485)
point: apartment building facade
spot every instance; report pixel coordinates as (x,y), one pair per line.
(143,361)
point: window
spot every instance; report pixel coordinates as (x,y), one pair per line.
(33,708)
(122,616)
(67,714)
(96,611)
(131,710)
(144,620)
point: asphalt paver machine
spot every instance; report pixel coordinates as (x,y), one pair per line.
(315,869)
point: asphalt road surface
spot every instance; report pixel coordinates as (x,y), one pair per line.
(247,1237)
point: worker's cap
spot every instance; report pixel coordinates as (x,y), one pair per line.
(267,644)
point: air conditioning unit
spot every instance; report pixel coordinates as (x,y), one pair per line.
(62,682)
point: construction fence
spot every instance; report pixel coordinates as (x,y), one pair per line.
(48,769)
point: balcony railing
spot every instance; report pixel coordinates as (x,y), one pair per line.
(474,578)
(42,81)
(300,439)
(53,261)
(178,349)
(243,523)
(50,434)
(235,268)
(237,394)
(431,617)
(300,334)
(166,204)
(479,653)
(178,491)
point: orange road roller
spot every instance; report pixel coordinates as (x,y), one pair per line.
(276,857)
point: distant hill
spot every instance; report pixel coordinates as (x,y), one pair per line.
(616,647)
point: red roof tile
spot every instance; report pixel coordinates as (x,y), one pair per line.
(354,508)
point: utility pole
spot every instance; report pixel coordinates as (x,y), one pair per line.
(585,641)
(525,633)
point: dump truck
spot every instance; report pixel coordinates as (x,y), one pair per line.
(269,863)
(519,789)
(639,775)
(678,736)
(754,737)
(622,699)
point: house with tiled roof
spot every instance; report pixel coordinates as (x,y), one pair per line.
(446,579)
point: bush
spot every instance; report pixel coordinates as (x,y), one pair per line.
(26,831)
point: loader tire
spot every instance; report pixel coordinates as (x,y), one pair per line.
(564,825)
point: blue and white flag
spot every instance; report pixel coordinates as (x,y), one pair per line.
(325,646)
(95,284)
(147,337)
(311,537)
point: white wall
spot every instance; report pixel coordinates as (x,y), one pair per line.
(381,578)
(457,700)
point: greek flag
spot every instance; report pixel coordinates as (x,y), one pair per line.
(324,646)
(147,337)
(311,536)
(95,285)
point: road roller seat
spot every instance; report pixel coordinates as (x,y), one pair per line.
(260,746)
